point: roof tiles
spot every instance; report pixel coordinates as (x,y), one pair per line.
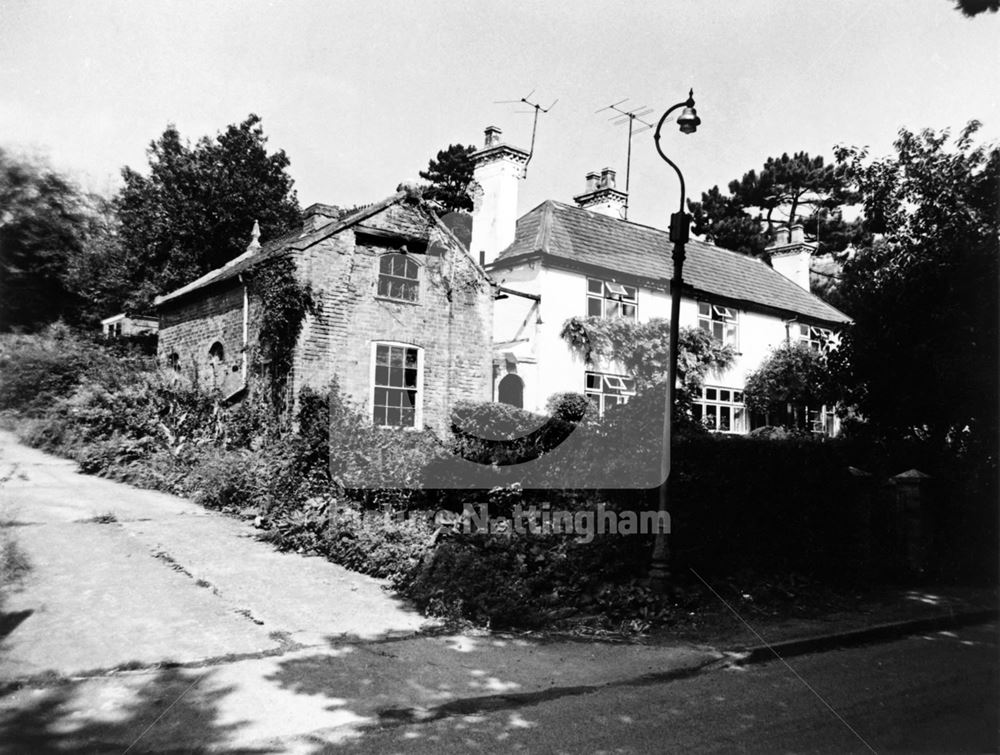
(575,235)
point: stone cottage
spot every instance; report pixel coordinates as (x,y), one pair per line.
(404,318)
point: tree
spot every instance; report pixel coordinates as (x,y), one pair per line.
(923,351)
(792,378)
(450,174)
(788,190)
(43,223)
(196,208)
(975,7)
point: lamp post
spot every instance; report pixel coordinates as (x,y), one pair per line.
(680,229)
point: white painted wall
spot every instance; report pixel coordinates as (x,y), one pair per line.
(550,366)
(494,213)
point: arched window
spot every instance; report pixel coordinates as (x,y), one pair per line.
(217,353)
(174,361)
(511,391)
(397,277)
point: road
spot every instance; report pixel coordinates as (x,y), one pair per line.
(935,693)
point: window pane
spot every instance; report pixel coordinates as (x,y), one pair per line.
(593,307)
(381,354)
(709,419)
(411,358)
(704,309)
(381,375)
(723,395)
(393,416)
(711,394)
(407,418)
(724,418)
(595,286)
(628,310)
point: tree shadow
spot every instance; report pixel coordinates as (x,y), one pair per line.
(171,711)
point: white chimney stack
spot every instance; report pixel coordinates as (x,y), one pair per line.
(498,168)
(601,196)
(791,255)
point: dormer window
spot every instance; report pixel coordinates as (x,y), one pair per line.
(398,277)
(720,322)
(608,299)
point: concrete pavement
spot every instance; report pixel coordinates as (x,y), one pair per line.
(147,620)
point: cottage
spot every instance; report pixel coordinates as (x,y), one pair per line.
(560,261)
(403,321)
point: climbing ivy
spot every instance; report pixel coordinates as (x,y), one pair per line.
(284,303)
(643,349)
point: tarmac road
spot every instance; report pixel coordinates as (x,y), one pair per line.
(934,693)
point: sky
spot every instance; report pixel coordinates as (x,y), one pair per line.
(360,96)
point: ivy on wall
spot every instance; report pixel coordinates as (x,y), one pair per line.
(643,349)
(284,303)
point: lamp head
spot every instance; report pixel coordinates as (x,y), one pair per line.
(688,120)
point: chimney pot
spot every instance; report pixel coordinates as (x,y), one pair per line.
(798,234)
(781,237)
(592,181)
(607,178)
(492,136)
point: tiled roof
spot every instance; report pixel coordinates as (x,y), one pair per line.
(297,239)
(574,235)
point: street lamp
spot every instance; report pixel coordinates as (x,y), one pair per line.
(680,230)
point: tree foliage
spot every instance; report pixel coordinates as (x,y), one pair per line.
(792,375)
(44,221)
(195,209)
(450,174)
(788,190)
(923,293)
(975,7)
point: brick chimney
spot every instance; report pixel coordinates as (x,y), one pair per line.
(497,169)
(316,215)
(791,254)
(601,196)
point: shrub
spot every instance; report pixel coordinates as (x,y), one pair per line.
(569,407)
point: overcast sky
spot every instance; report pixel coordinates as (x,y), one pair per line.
(360,96)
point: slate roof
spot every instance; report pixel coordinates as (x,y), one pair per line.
(574,236)
(293,240)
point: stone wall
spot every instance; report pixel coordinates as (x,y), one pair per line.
(450,321)
(193,325)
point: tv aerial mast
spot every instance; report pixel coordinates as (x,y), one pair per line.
(534,126)
(629,116)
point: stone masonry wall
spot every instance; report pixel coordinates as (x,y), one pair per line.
(190,327)
(451,321)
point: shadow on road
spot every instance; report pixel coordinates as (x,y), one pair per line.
(174,710)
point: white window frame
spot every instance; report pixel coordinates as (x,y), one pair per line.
(418,413)
(379,275)
(713,404)
(816,338)
(611,386)
(710,315)
(616,293)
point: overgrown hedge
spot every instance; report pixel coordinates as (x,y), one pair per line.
(775,506)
